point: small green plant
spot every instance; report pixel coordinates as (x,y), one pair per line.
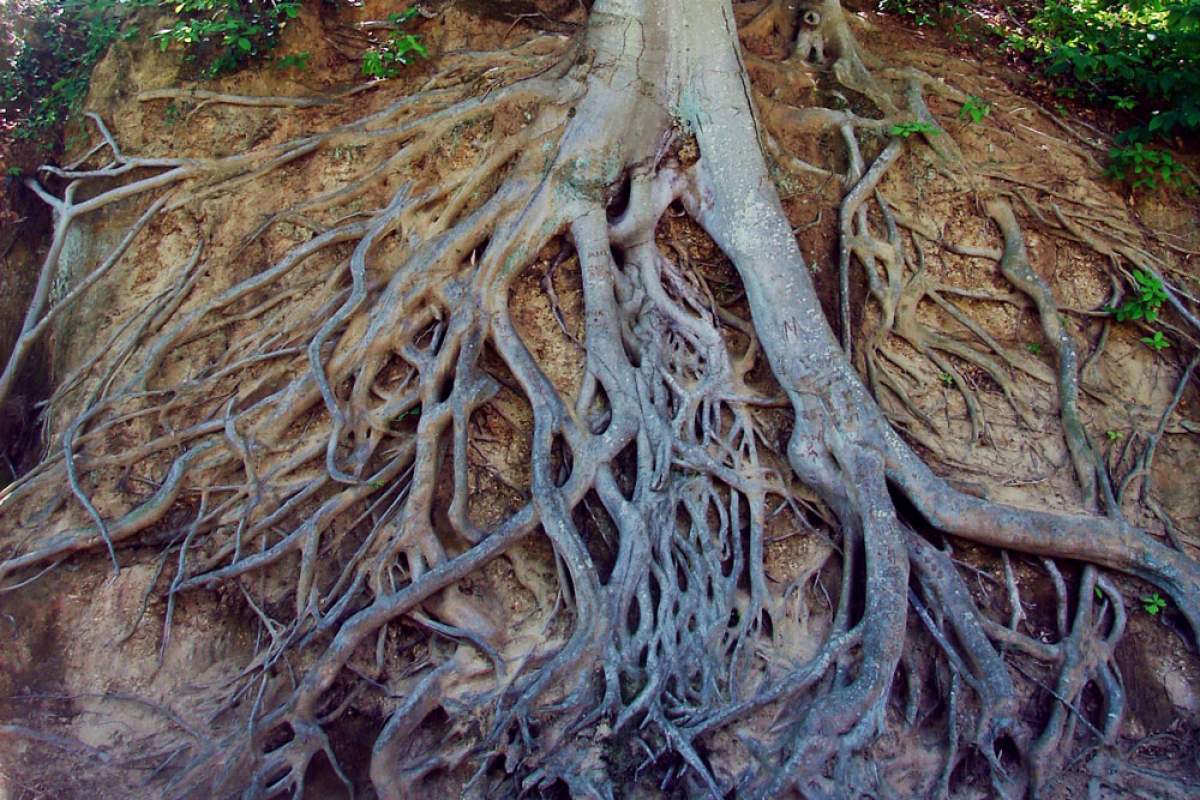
(1150,297)
(14,172)
(1114,436)
(1034,347)
(976,108)
(907,129)
(1123,103)
(1143,167)
(1157,342)
(400,50)
(1153,604)
(171,113)
(946,378)
(296,61)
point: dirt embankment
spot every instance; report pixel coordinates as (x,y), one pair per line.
(85,653)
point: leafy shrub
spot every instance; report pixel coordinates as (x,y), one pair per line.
(400,50)
(1143,166)
(1146,306)
(1138,54)
(297,61)
(976,108)
(224,35)
(47,50)
(1150,298)
(922,12)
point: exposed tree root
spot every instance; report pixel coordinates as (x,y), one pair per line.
(380,339)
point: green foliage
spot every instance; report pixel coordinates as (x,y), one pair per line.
(923,12)
(1140,55)
(1143,166)
(1153,604)
(48,48)
(400,50)
(297,61)
(1150,297)
(1034,347)
(946,378)
(907,129)
(1157,342)
(1114,436)
(1151,294)
(976,108)
(224,35)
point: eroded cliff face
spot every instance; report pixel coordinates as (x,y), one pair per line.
(86,647)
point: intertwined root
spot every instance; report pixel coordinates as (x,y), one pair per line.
(323,436)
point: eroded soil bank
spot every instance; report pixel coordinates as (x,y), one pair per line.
(87,658)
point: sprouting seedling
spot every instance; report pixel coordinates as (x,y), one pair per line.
(976,108)
(907,129)
(1034,347)
(1153,604)
(1157,342)
(1114,436)
(946,378)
